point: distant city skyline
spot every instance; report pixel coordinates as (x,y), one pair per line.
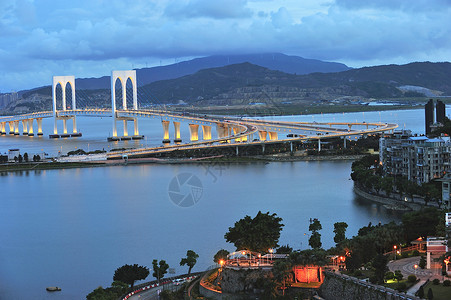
(42,38)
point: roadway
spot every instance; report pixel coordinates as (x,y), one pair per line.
(295,131)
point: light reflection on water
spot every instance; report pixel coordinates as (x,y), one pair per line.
(72,228)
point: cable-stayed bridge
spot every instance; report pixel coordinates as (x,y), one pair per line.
(125,109)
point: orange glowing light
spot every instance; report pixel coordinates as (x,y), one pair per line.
(221,262)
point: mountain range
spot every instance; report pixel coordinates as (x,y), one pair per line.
(273,61)
(247,83)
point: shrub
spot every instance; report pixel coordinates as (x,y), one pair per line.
(389,275)
(447,283)
(420,292)
(405,254)
(436,281)
(357,273)
(373,279)
(415,253)
(411,278)
(402,286)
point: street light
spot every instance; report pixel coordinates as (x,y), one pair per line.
(415,267)
(394,251)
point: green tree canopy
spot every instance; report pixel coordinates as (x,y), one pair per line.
(315,238)
(258,234)
(159,269)
(340,232)
(380,267)
(190,260)
(284,249)
(221,254)
(421,223)
(130,273)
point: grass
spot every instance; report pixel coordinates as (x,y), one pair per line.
(393,284)
(440,292)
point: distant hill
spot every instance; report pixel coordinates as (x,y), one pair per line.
(247,81)
(273,61)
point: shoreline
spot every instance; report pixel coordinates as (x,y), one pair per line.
(38,166)
(390,203)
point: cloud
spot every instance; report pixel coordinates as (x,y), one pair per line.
(82,37)
(218,9)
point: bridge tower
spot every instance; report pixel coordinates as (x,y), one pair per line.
(123,76)
(63,81)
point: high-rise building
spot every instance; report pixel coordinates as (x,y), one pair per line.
(429,116)
(418,158)
(440,112)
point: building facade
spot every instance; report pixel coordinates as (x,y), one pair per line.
(418,158)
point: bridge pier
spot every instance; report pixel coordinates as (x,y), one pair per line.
(319,145)
(135,127)
(194,132)
(273,136)
(39,121)
(63,81)
(65,133)
(206,132)
(236,131)
(177,138)
(30,127)
(25,127)
(2,128)
(125,128)
(262,135)
(344,142)
(123,77)
(166,131)
(16,128)
(221,129)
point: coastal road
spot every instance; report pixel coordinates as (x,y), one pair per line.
(153,294)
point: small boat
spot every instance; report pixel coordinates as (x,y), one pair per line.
(53,289)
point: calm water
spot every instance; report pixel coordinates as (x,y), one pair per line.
(73,228)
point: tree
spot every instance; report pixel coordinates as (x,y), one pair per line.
(380,267)
(20,158)
(25,157)
(159,269)
(340,232)
(258,234)
(221,254)
(315,239)
(420,292)
(130,273)
(190,260)
(387,185)
(398,275)
(421,223)
(284,249)
(422,263)
(281,271)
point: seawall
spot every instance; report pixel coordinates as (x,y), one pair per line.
(341,287)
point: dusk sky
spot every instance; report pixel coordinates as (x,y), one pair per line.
(90,38)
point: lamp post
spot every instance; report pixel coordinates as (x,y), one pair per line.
(415,267)
(394,251)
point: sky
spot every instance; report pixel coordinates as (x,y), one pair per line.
(90,38)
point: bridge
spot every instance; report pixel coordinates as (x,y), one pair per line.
(229,130)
